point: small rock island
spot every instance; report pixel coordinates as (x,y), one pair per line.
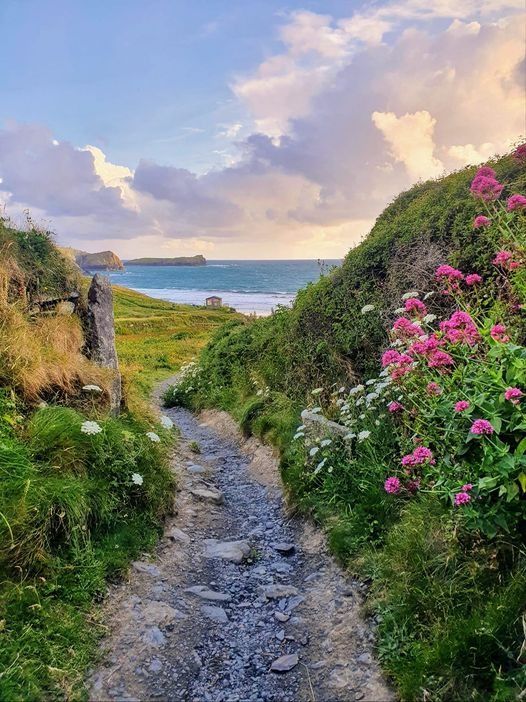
(197,260)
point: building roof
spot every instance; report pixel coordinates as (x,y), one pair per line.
(213,297)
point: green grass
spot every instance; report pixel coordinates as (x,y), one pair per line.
(155,338)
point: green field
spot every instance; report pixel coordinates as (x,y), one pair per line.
(154,338)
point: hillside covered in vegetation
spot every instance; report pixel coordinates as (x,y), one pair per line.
(82,492)
(415,346)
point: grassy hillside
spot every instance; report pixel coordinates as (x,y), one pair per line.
(420,499)
(81,492)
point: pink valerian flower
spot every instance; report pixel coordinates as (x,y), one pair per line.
(513,395)
(433,388)
(416,306)
(446,271)
(467,487)
(520,153)
(394,406)
(504,259)
(485,187)
(481,426)
(425,346)
(460,328)
(461,406)
(405,328)
(498,333)
(389,357)
(516,202)
(420,455)
(473,279)
(486,172)
(481,221)
(440,359)
(392,485)
(462,498)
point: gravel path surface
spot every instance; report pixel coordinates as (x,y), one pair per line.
(241,602)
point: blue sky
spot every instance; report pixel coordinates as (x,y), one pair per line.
(246,129)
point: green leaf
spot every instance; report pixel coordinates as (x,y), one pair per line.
(487,483)
(521,448)
(522,481)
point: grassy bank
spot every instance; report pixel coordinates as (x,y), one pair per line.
(422,500)
(82,493)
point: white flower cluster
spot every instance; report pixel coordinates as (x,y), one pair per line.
(137,479)
(166,422)
(154,438)
(367,308)
(90,428)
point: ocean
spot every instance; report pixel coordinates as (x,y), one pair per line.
(248,286)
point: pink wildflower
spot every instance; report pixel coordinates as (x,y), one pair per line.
(392,485)
(481,221)
(462,498)
(498,333)
(460,328)
(405,328)
(420,455)
(504,259)
(481,426)
(473,279)
(461,406)
(513,395)
(413,485)
(486,171)
(516,202)
(485,187)
(446,271)
(520,153)
(415,305)
(440,359)
(394,407)
(390,356)
(467,487)
(433,388)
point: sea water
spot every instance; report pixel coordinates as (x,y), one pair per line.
(248,286)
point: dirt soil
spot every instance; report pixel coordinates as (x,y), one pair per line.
(269,618)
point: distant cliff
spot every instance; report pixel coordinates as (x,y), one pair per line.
(100,261)
(198,260)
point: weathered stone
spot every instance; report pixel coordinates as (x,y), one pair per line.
(284,548)
(208,494)
(153,636)
(281,617)
(207,594)
(276,591)
(234,551)
(284,663)
(160,613)
(100,336)
(149,568)
(216,614)
(176,534)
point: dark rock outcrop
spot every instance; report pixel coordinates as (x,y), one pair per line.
(197,260)
(100,334)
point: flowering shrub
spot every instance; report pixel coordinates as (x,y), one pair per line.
(451,390)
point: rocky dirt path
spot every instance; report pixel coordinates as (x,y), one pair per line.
(241,602)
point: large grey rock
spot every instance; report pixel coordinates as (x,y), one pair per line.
(100,334)
(207,594)
(149,568)
(234,551)
(277,591)
(160,613)
(208,494)
(216,614)
(284,663)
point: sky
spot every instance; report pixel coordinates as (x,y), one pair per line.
(237,129)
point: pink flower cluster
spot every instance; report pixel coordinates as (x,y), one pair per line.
(404,328)
(481,221)
(473,279)
(447,271)
(463,497)
(440,359)
(513,395)
(433,388)
(520,153)
(485,185)
(481,426)
(392,485)
(460,328)
(461,406)
(498,333)
(415,306)
(394,407)
(516,202)
(420,455)
(504,259)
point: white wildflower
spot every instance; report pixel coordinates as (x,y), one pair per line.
(90,428)
(384,373)
(301,427)
(428,295)
(316,391)
(314,450)
(356,389)
(370,397)
(299,435)
(409,295)
(320,466)
(359,401)
(137,479)
(166,422)
(400,310)
(259,393)
(429,318)
(397,342)
(154,438)
(342,389)
(377,422)
(91,388)
(325,442)
(362,435)
(347,437)
(367,308)
(371,381)
(362,416)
